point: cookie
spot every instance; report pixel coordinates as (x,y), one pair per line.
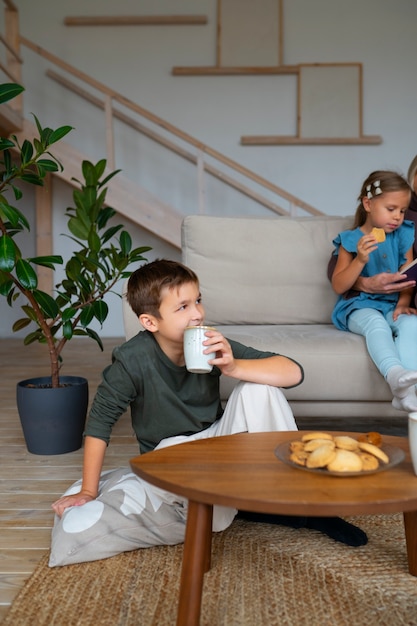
(311,445)
(316,435)
(372,437)
(369,447)
(369,461)
(379,234)
(299,457)
(345,461)
(321,456)
(295,446)
(345,443)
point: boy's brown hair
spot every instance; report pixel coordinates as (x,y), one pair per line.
(145,285)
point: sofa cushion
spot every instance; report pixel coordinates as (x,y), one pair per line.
(337,367)
(263,271)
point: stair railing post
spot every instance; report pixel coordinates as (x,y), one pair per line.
(201,183)
(108,110)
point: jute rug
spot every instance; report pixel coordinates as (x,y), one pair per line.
(261,575)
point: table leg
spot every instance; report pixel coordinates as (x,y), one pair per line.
(195,561)
(410,526)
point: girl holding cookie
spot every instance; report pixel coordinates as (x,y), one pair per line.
(381,240)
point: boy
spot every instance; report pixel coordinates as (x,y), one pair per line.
(108,513)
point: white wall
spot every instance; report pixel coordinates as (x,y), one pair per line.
(137,62)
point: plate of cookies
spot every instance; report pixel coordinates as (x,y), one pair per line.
(340,455)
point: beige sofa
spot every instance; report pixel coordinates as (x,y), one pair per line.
(264,283)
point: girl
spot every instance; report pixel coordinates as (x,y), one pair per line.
(387,321)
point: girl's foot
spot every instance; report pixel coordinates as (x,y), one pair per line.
(400,380)
(408,403)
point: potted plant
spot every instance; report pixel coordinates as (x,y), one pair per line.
(102,256)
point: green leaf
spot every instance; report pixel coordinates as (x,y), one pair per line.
(100,167)
(101,310)
(44,134)
(79,228)
(32,337)
(19,324)
(38,147)
(30,312)
(67,330)
(6,143)
(69,313)
(80,332)
(105,214)
(125,241)
(89,173)
(94,241)
(17,193)
(7,254)
(47,261)
(13,215)
(73,268)
(47,164)
(33,179)
(109,177)
(46,302)
(110,232)
(26,274)
(5,286)
(59,133)
(94,335)
(87,315)
(8,91)
(26,152)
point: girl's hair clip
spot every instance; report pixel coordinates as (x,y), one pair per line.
(377,189)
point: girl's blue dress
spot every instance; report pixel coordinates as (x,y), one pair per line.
(389,257)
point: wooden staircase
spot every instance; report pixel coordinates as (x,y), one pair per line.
(127,197)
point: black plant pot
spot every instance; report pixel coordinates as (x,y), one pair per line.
(52,419)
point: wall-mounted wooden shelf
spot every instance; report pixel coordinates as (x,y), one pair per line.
(288,140)
(228,71)
(135,20)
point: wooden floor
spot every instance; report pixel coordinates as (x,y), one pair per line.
(30,483)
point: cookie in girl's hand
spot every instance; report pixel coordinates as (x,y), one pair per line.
(379,234)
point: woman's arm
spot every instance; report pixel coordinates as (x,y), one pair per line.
(404,299)
(383,283)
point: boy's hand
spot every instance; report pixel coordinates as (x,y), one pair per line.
(215,342)
(77,499)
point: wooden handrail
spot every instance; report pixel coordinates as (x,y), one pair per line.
(185,154)
(135,20)
(112,95)
(10,49)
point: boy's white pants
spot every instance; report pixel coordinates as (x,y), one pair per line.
(129,513)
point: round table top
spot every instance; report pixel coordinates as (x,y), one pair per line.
(242,471)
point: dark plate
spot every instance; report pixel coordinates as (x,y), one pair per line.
(395,455)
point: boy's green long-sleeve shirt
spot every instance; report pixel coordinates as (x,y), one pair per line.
(165,399)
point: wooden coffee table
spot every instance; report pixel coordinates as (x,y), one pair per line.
(242,471)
